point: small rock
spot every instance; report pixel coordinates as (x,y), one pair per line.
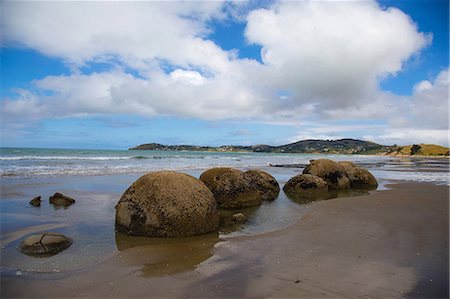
(36,201)
(59,199)
(239,218)
(297,281)
(45,244)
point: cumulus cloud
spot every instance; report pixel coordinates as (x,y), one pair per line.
(318,60)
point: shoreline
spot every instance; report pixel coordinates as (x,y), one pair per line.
(390,243)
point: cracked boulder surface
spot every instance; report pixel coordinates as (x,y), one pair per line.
(330,171)
(306,183)
(359,176)
(45,244)
(231,188)
(264,183)
(167,204)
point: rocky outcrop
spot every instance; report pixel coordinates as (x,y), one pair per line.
(264,183)
(359,176)
(231,188)
(167,204)
(36,201)
(59,199)
(330,171)
(45,244)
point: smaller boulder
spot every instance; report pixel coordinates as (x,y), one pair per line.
(239,218)
(45,244)
(36,201)
(305,188)
(264,183)
(306,183)
(359,176)
(230,188)
(59,199)
(330,171)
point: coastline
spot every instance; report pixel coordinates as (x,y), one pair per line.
(390,243)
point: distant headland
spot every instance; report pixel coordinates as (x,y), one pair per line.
(312,146)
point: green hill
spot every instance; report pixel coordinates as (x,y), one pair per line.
(423,150)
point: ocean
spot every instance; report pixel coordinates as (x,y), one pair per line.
(96,179)
(32,162)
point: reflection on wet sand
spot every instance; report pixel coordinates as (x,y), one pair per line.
(166,256)
(311,196)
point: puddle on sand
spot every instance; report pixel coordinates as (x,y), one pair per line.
(165,256)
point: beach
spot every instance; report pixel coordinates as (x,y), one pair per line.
(392,242)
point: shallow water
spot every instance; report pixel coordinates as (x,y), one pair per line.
(90,221)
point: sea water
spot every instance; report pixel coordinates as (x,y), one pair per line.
(31,162)
(97,179)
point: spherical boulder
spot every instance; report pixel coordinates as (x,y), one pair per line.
(167,204)
(266,184)
(305,188)
(45,244)
(330,171)
(359,176)
(305,183)
(231,188)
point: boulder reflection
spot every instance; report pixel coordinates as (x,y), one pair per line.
(165,256)
(307,197)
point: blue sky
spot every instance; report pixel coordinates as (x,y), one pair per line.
(213,73)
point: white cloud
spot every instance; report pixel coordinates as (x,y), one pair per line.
(422,85)
(320,59)
(334,53)
(410,136)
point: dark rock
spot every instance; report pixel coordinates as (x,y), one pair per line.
(45,244)
(36,201)
(266,184)
(239,218)
(332,172)
(59,199)
(167,204)
(230,188)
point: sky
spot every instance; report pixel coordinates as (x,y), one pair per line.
(112,75)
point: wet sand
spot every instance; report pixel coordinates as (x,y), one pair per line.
(390,243)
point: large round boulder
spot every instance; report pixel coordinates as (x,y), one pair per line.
(330,171)
(359,176)
(305,183)
(266,184)
(45,244)
(167,204)
(231,188)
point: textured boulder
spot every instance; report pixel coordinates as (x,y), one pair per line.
(330,171)
(36,201)
(359,176)
(305,188)
(59,199)
(266,184)
(45,244)
(305,183)
(167,204)
(231,188)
